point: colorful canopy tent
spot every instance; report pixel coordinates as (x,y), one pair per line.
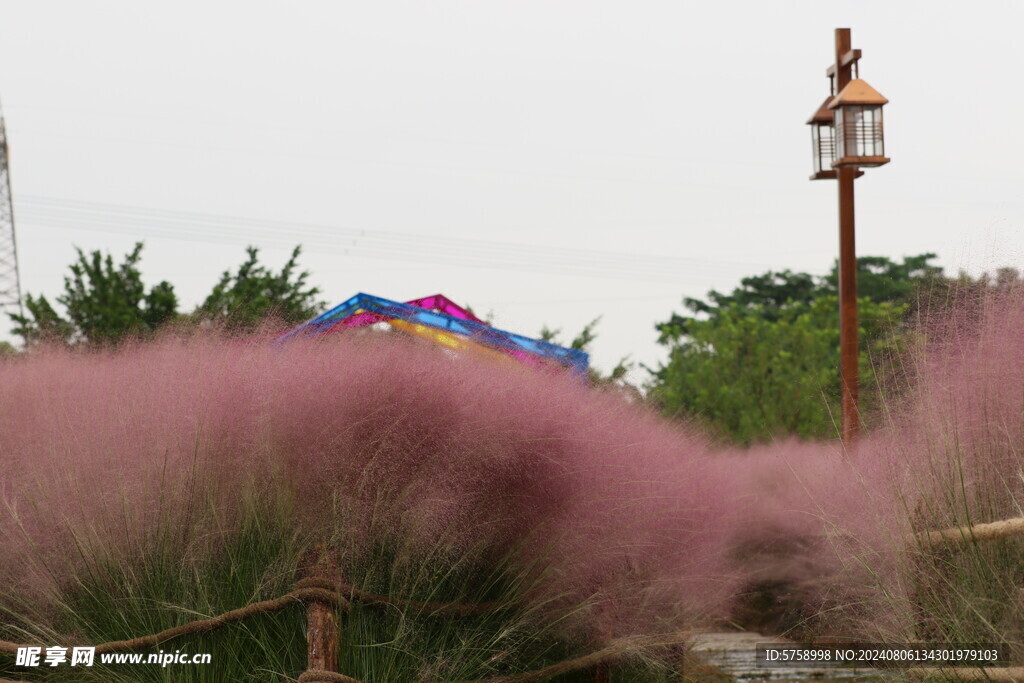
(438,302)
(443,322)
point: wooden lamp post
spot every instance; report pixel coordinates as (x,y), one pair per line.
(847,134)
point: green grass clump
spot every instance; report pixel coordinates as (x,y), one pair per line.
(175,576)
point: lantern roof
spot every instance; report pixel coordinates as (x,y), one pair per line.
(857,92)
(823,114)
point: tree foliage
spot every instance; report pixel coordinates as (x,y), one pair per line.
(253,293)
(42,323)
(104,303)
(762,361)
(750,374)
(881,279)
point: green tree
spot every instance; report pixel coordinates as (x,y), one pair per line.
(769,293)
(253,293)
(748,375)
(762,361)
(881,279)
(104,303)
(42,323)
(878,278)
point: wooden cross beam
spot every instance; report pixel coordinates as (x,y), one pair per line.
(847,59)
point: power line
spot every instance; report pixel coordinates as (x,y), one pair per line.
(381,244)
(82,209)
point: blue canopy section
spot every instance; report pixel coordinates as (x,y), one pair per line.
(577,360)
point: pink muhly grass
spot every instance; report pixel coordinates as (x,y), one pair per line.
(104,450)
(626,521)
(822,553)
(957,438)
(838,531)
(967,423)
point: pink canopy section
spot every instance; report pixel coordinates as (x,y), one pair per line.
(434,302)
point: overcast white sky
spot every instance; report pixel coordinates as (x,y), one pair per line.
(672,130)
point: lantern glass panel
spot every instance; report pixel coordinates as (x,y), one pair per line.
(823,146)
(859,131)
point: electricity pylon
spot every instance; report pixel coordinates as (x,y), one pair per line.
(10,280)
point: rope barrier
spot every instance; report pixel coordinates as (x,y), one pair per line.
(976,532)
(341,596)
(306,590)
(300,595)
